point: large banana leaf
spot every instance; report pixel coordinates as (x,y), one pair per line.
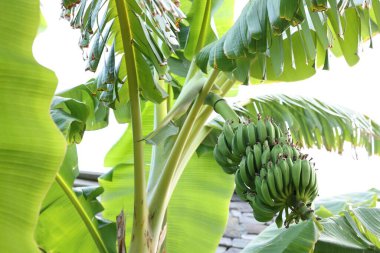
(153,27)
(286,40)
(328,207)
(198,210)
(62,222)
(31,147)
(97,117)
(203,186)
(296,239)
(315,123)
(207,19)
(70,116)
(353,231)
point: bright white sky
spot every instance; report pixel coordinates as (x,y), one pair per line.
(355,88)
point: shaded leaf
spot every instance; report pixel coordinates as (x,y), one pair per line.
(313,122)
(70,116)
(332,206)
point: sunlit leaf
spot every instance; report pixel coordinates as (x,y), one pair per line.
(31,146)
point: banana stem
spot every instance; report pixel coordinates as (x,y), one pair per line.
(162,193)
(221,107)
(82,213)
(140,233)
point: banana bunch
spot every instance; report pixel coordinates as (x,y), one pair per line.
(233,141)
(270,171)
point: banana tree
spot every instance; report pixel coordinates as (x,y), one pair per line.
(155,65)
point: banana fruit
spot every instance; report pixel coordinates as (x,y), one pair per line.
(270,171)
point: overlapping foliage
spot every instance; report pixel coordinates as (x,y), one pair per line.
(287,40)
(31,150)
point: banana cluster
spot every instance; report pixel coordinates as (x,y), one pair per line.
(270,171)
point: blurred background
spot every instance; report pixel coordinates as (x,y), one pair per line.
(352,87)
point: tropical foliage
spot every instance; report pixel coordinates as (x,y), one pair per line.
(150,61)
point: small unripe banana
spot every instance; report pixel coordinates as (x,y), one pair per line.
(261,131)
(295,171)
(270,132)
(251,132)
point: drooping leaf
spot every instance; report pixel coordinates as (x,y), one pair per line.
(153,27)
(304,28)
(61,227)
(201,21)
(97,112)
(315,123)
(70,116)
(202,186)
(297,238)
(352,232)
(332,206)
(31,146)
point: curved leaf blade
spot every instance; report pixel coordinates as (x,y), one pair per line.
(298,238)
(202,186)
(31,147)
(313,122)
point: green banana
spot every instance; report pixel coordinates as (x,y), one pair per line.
(240,188)
(276,152)
(287,151)
(263,173)
(289,161)
(295,171)
(262,212)
(272,186)
(261,131)
(222,160)
(228,133)
(279,180)
(241,134)
(277,131)
(265,157)
(251,131)
(265,191)
(313,177)
(285,171)
(257,152)
(258,186)
(251,163)
(270,132)
(247,179)
(305,176)
(279,220)
(223,146)
(296,153)
(270,171)
(235,148)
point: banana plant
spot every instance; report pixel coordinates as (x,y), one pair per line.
(155,64)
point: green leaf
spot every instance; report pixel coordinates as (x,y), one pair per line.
(122,150)
(353,232)
(31,147)
(263,27)
(97,112)
(297,238)
(154,38)
(328,207)
(202,186)
(200,20)
(70,116)
(58,209)
(313,122)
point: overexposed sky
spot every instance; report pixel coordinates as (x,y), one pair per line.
(354,87)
